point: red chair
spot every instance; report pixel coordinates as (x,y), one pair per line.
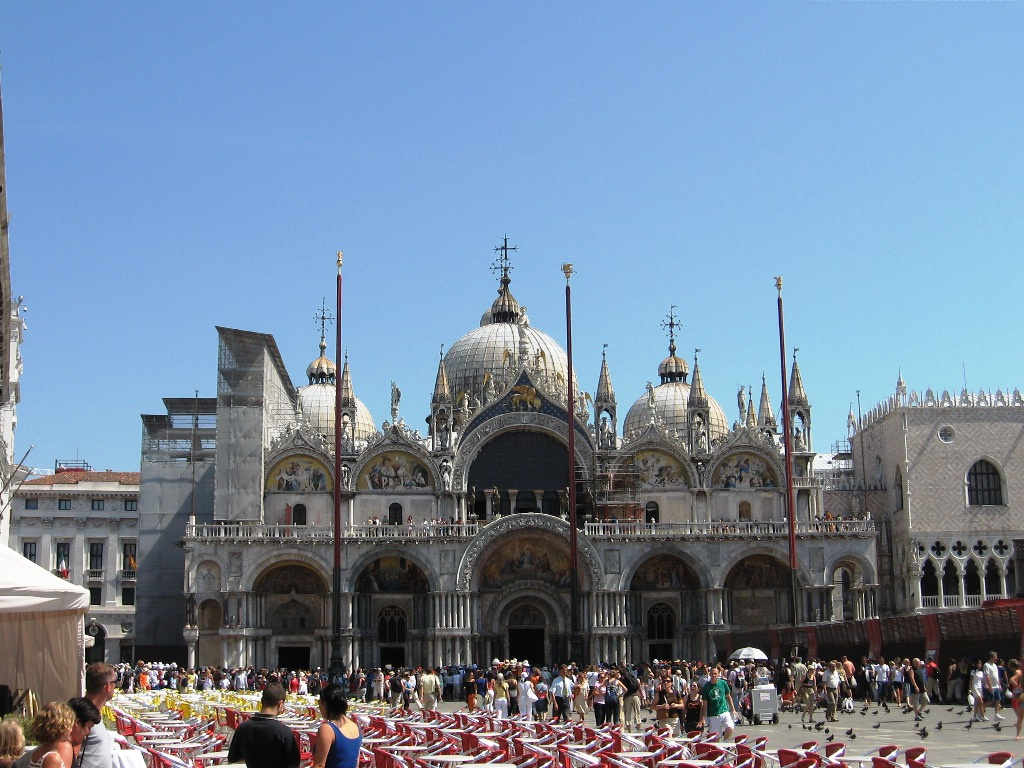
(998,758)
(882,762)
(915,753)
(889,751)
(835,749)
(789,757)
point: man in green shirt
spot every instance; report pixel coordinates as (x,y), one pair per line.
(717,710)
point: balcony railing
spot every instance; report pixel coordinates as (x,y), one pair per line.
(94,574)
(128,574)
(740,528)
(262,532)
(616,530)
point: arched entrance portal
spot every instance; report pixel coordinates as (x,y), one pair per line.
(527,628)
(758,592)
(294,599)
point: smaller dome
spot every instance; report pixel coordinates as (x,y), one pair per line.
(673,368)
(322,370)
(316,402)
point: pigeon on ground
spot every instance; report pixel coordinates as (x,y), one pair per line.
(923,733)
(938,726)
(850,732)
(969,724)
(875,712)
(877,725)
(997,726)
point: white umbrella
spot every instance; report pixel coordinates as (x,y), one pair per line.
(748,654)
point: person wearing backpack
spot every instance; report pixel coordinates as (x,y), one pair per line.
(630,699)
(396,689)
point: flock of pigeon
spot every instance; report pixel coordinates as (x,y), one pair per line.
(921,731)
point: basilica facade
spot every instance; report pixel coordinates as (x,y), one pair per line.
(455,542)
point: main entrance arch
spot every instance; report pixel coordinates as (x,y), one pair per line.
(527,634)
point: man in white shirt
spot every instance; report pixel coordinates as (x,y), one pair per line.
(993,685)
(100,687)
(562,689)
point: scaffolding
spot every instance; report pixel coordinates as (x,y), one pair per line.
(187,432)
(617,495)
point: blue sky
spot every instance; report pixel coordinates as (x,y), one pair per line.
(176,166)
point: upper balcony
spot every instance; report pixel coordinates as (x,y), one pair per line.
(240,532)
(744,529)
(258,532)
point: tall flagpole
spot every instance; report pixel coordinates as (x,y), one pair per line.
(575,641)
(788,443)
(337,663)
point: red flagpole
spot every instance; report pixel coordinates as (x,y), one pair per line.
(575,644)
(788,443)
(337,663)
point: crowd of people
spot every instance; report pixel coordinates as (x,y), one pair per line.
(682,697)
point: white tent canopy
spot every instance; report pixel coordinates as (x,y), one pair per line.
(41,629)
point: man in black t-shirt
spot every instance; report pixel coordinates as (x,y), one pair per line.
(262,741)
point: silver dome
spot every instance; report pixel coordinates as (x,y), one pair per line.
(496,348)
(670,401)
(316,401)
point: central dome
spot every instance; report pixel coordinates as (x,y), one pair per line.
(483,361)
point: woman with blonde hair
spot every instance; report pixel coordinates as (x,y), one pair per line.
(12,742)
(52,729)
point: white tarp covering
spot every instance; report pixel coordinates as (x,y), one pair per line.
(41,630)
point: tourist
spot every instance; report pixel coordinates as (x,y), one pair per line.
(100,687)
(12,742)
(718,711)
(262,741)
(51,729)
(1015,685)
(339,738)
(994,684)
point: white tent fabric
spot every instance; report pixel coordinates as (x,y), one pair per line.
(42,619)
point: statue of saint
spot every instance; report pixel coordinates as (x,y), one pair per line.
(446,475)
(396,395)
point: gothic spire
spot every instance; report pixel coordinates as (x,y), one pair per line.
(605,391)
(797,395)
(751,416)
(348,397)
(765,416)
(442,390)
(698,397)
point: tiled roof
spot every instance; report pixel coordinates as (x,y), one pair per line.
(73,477)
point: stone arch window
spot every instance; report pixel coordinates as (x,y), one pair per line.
(299,514)
(984,485)
(745,511)
(950,579)
(972,579)
(652,512)
(391,627)
(929,580)
(661,622)
(898,488)
(993,584)
(395,514)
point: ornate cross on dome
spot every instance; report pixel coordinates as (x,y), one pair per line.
(503,262)
(671,323)
(323,317)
